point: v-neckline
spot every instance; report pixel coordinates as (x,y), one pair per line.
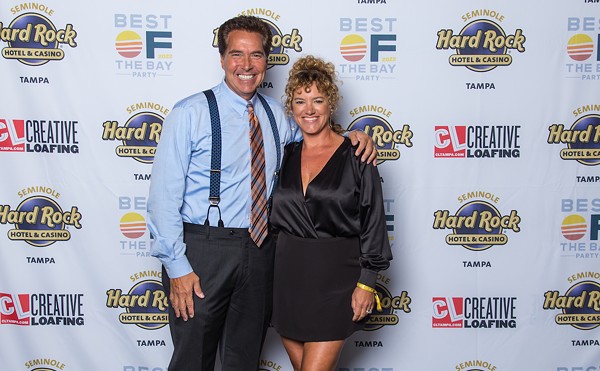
(305,190)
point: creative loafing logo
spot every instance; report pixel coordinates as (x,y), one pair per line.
(39,219)
(145,303)
(582,138)
(281,43)
(480,141)
(583,48)
(32,37)
(476,365)
(481,312)
(482,44)
(45,364)
(133,227)
(372,119)
(39,136)
(580,304)
(140,134)
(580,228)
(390,306)
(368,48)
(143,45)
(42,309)
(478,224)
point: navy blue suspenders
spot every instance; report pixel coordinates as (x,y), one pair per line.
(275,136)
(215,162)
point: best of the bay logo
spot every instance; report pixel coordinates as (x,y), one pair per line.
(146,367)
(145,303)
(39,136)
(141,132)
(474,312)
(476,365)
(584,35)
(582,139)
(45,364)
(280,42)
(368,47)
(580,305)
(32,38)
(477,225)
(133,226)
(389,219)
(372,120)
(390,305)
(483,141)
(39,219)
(41,309)
(143,32)
(482,44)
(582,220)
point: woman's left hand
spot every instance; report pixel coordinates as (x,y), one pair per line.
(362,303)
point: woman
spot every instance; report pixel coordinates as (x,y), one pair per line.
(328,208)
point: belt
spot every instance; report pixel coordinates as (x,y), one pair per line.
(216,231)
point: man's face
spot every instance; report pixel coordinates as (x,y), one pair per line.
(244,62)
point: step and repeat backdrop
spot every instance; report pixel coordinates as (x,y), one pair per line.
(486,115)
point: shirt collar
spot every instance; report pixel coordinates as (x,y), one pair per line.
(238,103)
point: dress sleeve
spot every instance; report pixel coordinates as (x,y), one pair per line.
(375,254)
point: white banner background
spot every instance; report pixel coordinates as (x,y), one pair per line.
(406,83)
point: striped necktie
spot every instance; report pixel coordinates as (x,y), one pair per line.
(258,185)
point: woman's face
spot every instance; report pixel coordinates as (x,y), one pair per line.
(311,110)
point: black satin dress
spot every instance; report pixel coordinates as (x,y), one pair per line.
(329,239)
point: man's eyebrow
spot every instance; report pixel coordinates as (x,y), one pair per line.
(240,51)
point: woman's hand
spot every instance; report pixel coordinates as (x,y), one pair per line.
(362,303)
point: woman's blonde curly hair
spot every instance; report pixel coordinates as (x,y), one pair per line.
(303,73)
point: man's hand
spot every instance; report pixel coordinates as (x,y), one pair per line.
(366,146)
(182,290)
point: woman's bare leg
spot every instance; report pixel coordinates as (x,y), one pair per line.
(321,356)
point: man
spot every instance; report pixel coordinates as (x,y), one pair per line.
(217,277)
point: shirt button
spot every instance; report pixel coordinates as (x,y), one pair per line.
(231,233)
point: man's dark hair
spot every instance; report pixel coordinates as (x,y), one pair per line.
(245,23)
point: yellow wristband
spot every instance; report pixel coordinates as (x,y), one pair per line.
(371,290)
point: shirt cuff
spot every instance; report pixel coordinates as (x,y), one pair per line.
(368,278)
(178,267)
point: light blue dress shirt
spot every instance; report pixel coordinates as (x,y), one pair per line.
(180,180)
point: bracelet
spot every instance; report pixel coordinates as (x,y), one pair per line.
(371,290)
